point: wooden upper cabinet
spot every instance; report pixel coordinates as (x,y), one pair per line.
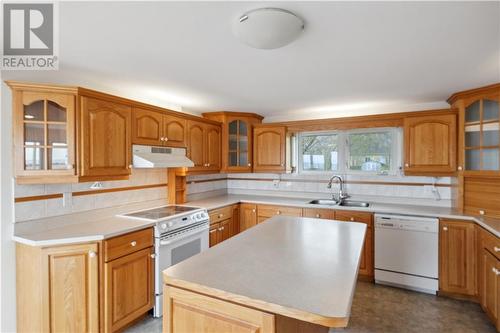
(146,127)
(430,144)
(158,129)
(269,148)
(457,257)
(204,146)
(174,131)
(104,139)
(237,139)
(43,134)
(213,147)
(196,145)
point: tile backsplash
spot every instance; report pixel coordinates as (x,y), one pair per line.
(396,189)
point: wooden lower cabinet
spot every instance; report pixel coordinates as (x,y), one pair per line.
(128,279)
(128,289)
(318,213)
(457,257)
(366,265)
(57,288)
(187,311)
(248,216)
(224,224)
(265,212)
(489,275)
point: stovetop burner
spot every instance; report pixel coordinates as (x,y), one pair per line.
(161,212)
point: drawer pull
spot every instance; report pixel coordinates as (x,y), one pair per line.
(496,249)
(92,254)
(496,271)
(278,212)
(133,243)
(317,215)
(221,228)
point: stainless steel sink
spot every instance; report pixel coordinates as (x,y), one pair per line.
(350,203)
(346,203)
(324,202)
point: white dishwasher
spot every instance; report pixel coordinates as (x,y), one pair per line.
(406,252)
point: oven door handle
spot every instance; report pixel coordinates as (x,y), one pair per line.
(174,239)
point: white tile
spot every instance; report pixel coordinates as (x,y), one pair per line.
(28,190)
(29,210)
(82,203)
(55,207)
(57,188)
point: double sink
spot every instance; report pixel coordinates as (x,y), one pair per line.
(345,203)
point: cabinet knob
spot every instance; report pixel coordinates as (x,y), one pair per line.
(213,230)
(153,255)
(162,139)
(317,215)
(221,228)
(278,212)
(221,215)
(249,164)
(459,168)
(496,249)
(253,210)
(445,228)
(481,212)
(496,271)
(208,164)
(352,219)
(281,164)
(133,243)
(92,254)
(407,165)
(166,139)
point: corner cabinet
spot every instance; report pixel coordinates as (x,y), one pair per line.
(43,133)
(57,288)
(204,146)
(430,144)
(236,139)
(156,128)
(269,148)
(104,139)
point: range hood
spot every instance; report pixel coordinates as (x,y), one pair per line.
(159,157)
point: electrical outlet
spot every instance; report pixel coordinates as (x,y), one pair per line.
(96,186)
(276,183)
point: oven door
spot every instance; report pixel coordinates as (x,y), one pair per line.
(174,249)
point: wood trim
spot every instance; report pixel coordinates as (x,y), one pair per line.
(118,189)
(471,92)
(38,197)
(370,121)
(41,87)
(80,193)
(232,114)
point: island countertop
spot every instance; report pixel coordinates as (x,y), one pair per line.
(302,268)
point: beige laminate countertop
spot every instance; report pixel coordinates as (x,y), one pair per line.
(490,224)
(103,223)
(299,267)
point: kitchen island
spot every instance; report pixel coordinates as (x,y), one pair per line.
(286,274)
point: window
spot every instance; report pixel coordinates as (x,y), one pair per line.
(376,151)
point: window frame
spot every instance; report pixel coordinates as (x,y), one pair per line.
(344,153)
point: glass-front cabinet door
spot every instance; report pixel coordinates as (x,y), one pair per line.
(482,135)
(44,131)
(239,145)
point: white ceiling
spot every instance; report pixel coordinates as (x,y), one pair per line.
(353,58)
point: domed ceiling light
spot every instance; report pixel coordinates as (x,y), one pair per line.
(268,28)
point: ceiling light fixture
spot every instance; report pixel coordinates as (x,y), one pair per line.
(268,28)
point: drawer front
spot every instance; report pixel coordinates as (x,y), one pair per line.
(354,216)
(129,243)
(220,214)
(270,211)
(319,213)
(491,243)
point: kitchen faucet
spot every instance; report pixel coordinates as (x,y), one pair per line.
(341,194)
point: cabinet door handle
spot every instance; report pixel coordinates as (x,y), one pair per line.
(253,210)
(459,168)
(162,139)
(496,249)
(165,138)
(445,228)
(352,218)
(407,165)
(221,215)
(496,271)
(278,212)
(152,255)
(249,164)
(92,254)
(130,166)
(133,243)
(221,228)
